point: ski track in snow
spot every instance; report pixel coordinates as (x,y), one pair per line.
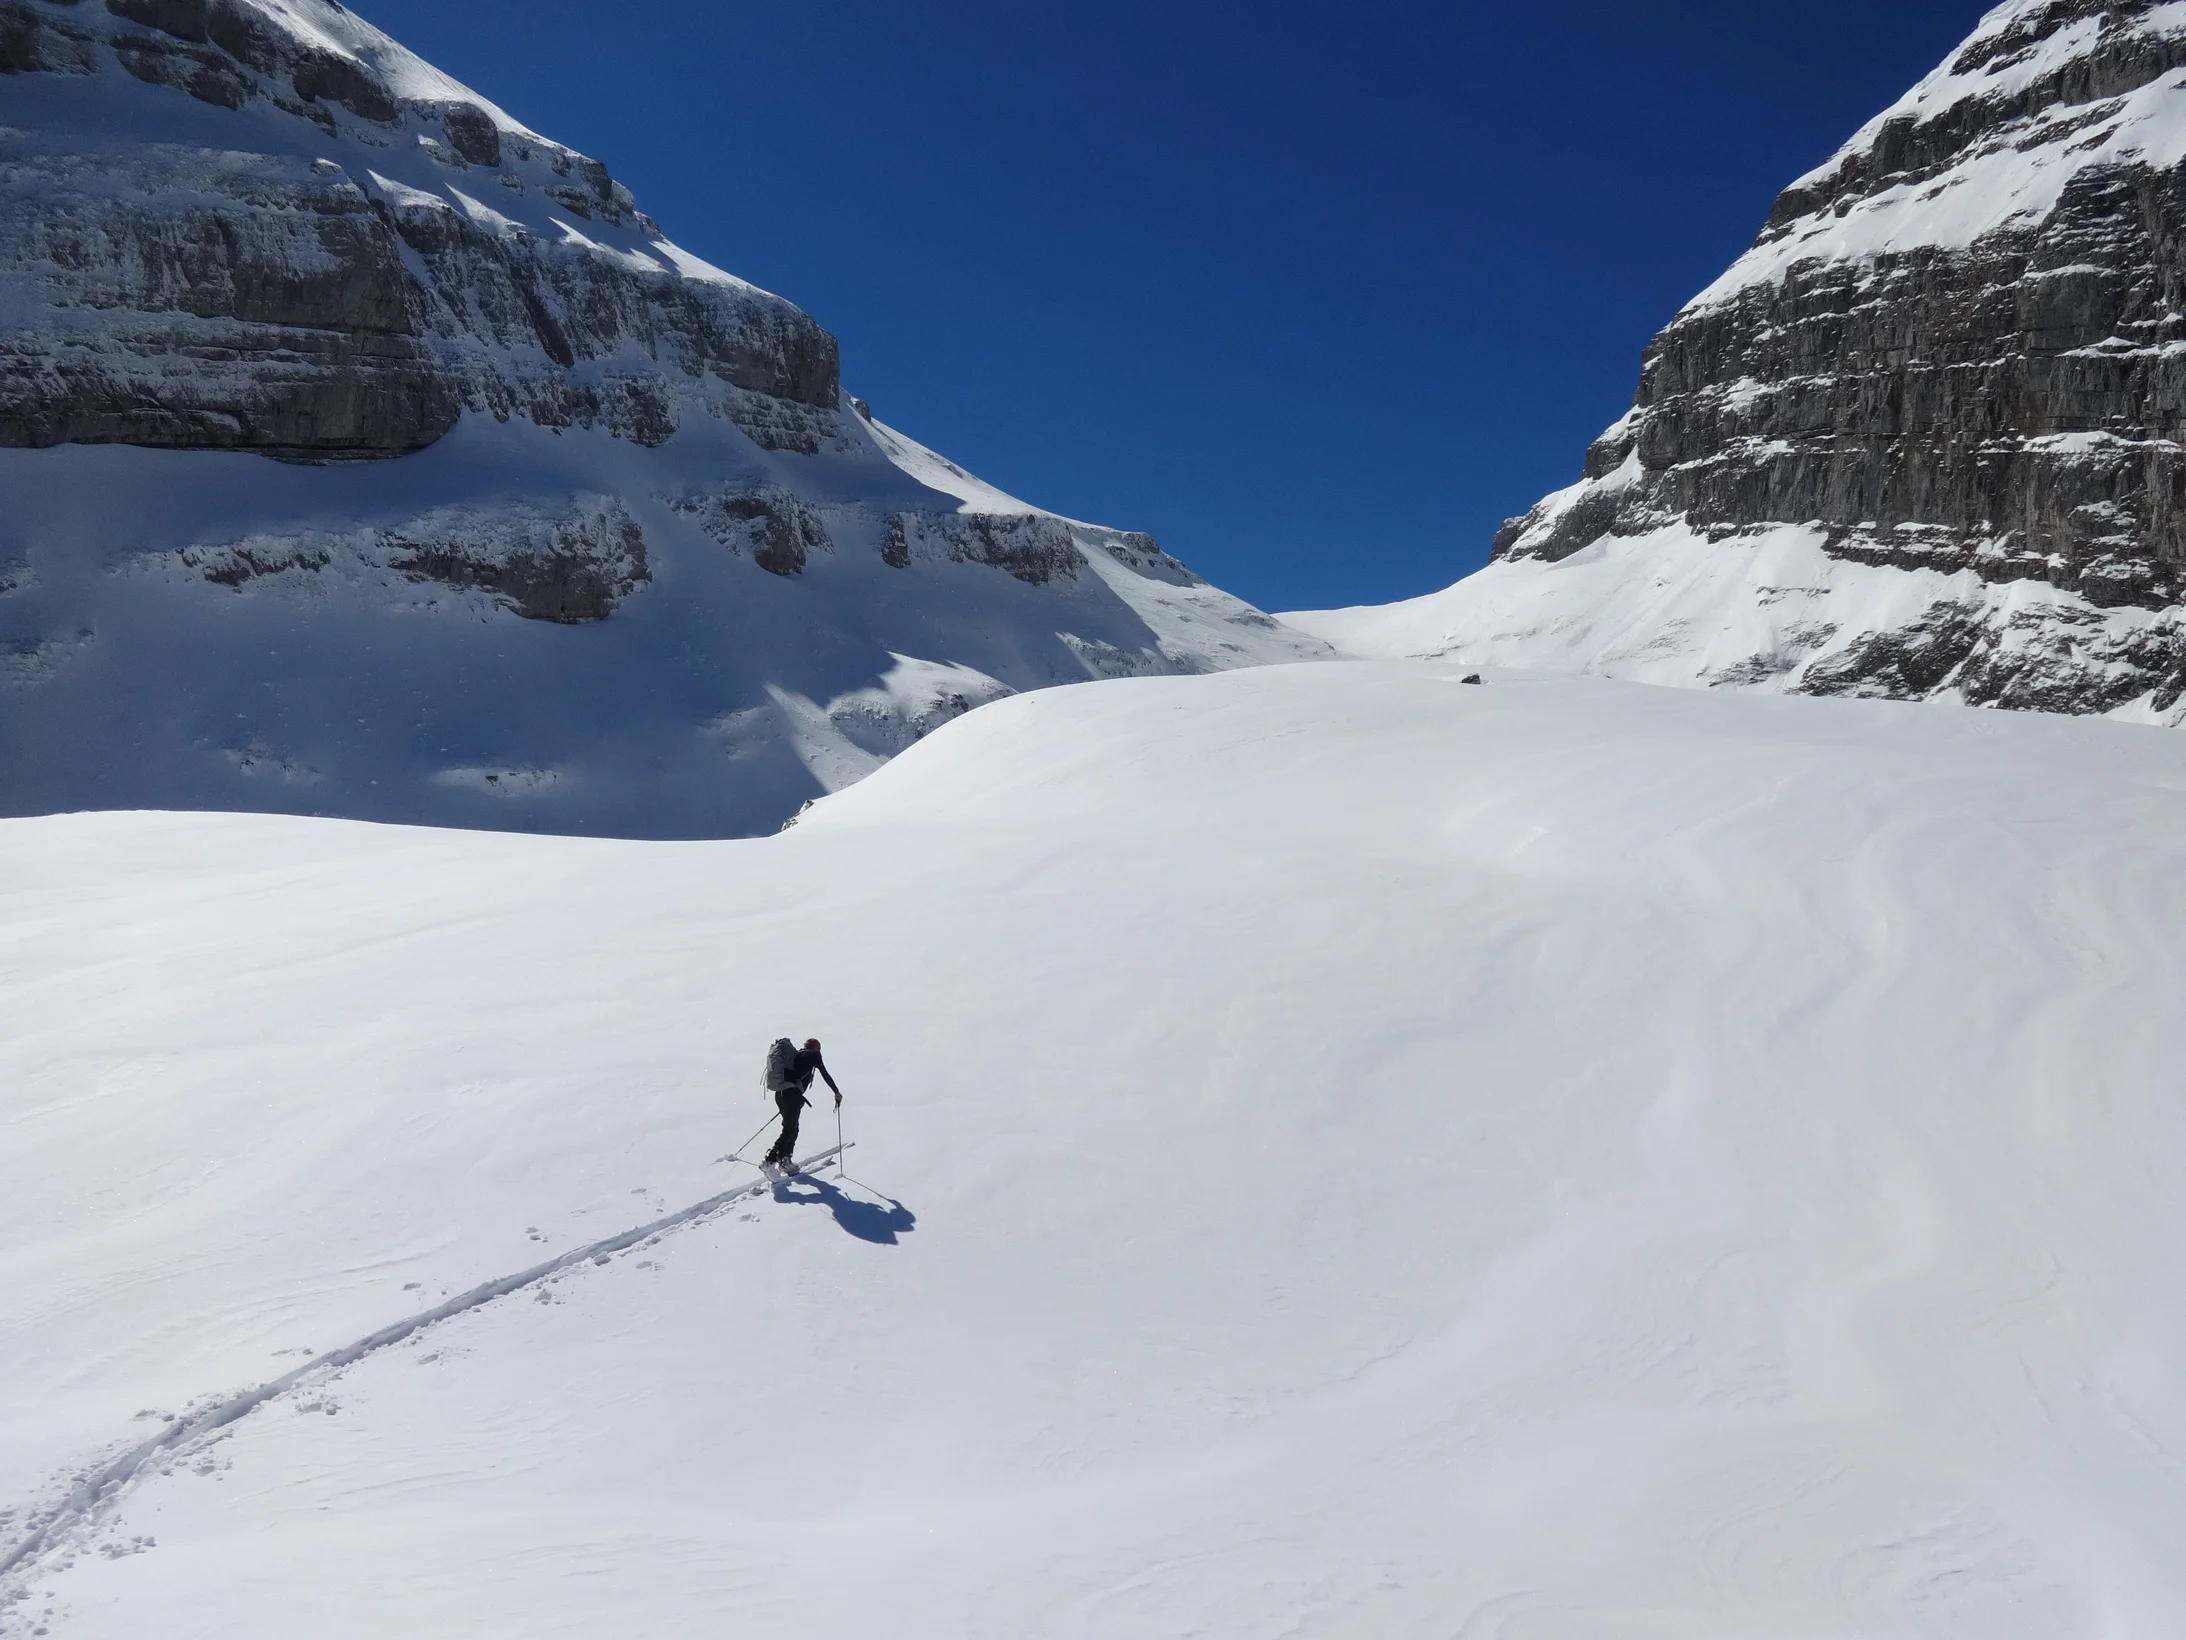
(1778,1242)
(91,1494)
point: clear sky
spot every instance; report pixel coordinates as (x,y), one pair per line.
(1316,293)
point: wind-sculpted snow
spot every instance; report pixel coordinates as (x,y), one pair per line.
(1342,1152)
(1955,353)
(500,401)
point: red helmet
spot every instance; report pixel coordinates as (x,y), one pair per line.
(813,1043)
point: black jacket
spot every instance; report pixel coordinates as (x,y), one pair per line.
(802,1067)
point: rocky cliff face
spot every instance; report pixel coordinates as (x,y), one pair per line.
(368,453)
(347,249)
(1958,352)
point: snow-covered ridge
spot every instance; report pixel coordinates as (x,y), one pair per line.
(2043,91)
(1942,378)
(324,26)
(569,530)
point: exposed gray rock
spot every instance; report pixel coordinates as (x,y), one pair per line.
(33,41)
(199,70)
(327,308)
(574,569)
(2043,660)
(1036,548)
(568,568)
(2010,404)
(472,134)
(778,530)
(775,423)
(305,331)
(1140,552)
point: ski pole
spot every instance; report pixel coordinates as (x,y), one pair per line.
(737,1154)
(839,1146)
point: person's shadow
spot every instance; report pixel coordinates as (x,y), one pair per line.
(868,1221)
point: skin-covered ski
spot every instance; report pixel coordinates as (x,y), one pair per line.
(776,1173)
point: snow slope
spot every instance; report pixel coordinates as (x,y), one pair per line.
(1338,1152)
(218,631)
(1773,611)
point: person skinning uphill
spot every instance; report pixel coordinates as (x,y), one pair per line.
(789,1075)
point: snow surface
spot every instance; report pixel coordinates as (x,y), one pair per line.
(1339,1152)
(334,28)
(938,472)
(1757,611)
(714,701)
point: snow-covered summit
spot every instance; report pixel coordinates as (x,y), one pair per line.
(2040,93)
(1923,438)
(567,530)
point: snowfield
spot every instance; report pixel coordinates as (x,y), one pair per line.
(1338,1152)
(1770,610)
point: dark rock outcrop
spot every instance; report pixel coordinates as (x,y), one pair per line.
(569,567)
(780,531)
(1036,548)
(34,41)
(2006,398)
(286,291)
(574,569)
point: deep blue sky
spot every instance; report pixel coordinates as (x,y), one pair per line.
(1316,293)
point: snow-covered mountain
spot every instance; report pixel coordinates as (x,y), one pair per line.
(1338,1154)
(1924,439)
(368,453)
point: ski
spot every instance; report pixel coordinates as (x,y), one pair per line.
(819,1159)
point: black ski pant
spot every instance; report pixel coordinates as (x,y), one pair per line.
(791,1103)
